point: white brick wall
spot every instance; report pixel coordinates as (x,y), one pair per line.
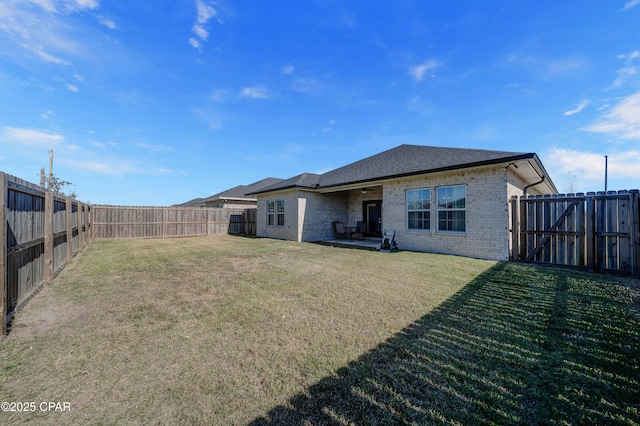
(320,211)
(487,226)
(290,229)
(309,215)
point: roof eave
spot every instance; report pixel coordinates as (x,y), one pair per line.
(283,188)
(511,159)
(230,199)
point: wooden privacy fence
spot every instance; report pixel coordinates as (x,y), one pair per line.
(597,231)
(40,232)
(165,222)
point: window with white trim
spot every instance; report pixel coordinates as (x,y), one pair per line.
(419,209)
(271,210)
(280,212)
(275,212)
(452,209)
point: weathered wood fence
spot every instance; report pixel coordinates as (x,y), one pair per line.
(166,222)
(40,232)
(597,231)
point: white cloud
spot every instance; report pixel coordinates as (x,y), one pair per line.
(589,166)
(544,68)
(211,117)
(630,4)
(287,69)
(633,55)
(47,5)
(628,71)
(46,57)
(418,72)
(72,88)
(204,13)
(75,5)
(43,31)
(109,23)
(256,92)
(582,105)
(47,115)
(306,85)
(99,144)
(200,32)
(621,120)
(30,137)
(624,75)
(117,167)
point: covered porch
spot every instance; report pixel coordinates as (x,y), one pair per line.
(361,215)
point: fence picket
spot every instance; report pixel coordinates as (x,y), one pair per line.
(35,240)
(170,222)
(596,231)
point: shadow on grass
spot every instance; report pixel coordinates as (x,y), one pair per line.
(518,345)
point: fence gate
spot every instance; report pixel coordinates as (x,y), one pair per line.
(598,231)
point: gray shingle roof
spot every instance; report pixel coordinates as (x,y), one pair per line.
(304,180)
(403,160)
(241,191)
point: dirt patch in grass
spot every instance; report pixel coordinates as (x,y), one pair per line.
(228,330)
(47,313)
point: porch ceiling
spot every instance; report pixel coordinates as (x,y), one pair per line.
(349,187)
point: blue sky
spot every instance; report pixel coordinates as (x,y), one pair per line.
(156,102)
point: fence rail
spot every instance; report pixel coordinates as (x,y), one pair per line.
(597,231)
(166,222)
(39,233)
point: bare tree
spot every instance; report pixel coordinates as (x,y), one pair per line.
(571,186)
(52,182)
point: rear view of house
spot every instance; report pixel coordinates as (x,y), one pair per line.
(443,200)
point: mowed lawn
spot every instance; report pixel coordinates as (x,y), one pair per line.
(230,330)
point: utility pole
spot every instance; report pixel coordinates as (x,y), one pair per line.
(51,169)
(606,171)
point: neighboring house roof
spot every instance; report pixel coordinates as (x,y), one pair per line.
(196,202)
(239,193)
(407,160)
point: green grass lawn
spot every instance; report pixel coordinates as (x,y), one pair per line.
(230,330)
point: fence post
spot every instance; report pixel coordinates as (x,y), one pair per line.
(69,219)
(81,223)
(590,231)
(92,234)
(3,255)
(515,228)
(48,235)
(163,221)
(634,230)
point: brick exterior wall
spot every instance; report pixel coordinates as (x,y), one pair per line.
(309,215)
(487,233)
(290,229)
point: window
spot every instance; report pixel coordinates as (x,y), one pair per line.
(419,209)
(275,213)
(271,209)
(280,212)
(452,214)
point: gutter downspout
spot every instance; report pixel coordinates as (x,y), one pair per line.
(524,194)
